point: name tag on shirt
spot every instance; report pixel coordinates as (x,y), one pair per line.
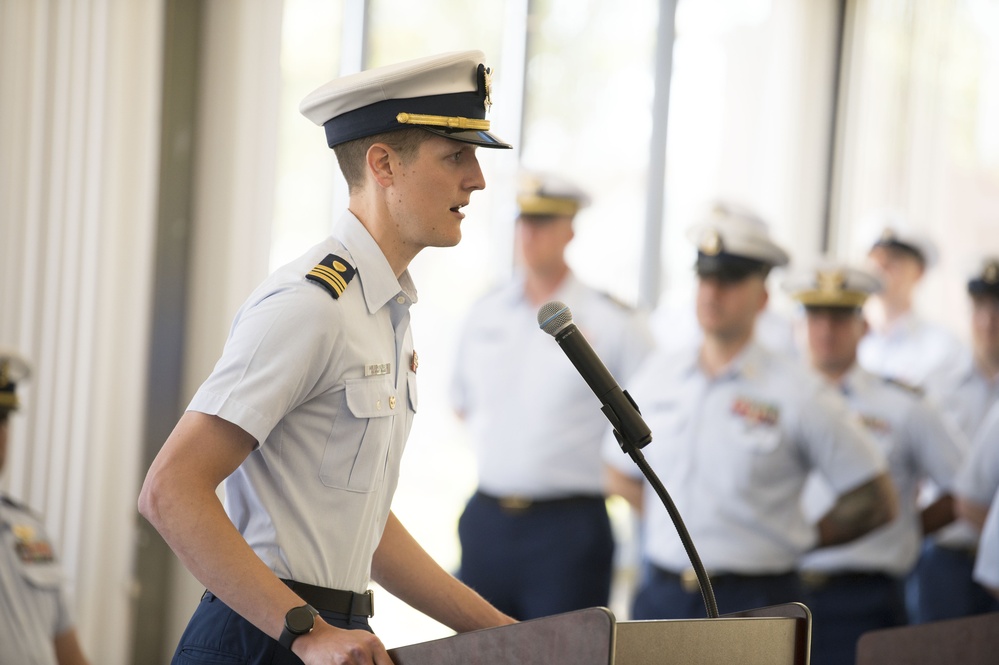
(377,369)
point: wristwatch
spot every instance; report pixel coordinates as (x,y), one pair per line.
(297,622)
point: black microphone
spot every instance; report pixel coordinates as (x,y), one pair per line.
(629,427)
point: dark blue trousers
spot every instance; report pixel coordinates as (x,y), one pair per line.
(846,606)
(941,587)
(665,596)
(546,558)
(217,635)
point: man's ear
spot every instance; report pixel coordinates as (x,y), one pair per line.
(379,162)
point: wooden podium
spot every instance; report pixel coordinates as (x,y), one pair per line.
(971,640)
(777,635)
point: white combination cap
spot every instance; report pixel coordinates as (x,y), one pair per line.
(733,241)
(891,228)
(831,284)
(447,94)
(13,368)
(546,195)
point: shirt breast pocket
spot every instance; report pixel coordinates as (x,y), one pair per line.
(42,576)
(359,443)
(758,438)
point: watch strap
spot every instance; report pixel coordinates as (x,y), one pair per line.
(288,636)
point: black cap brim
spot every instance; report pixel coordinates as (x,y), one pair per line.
(728,267)
(480,138)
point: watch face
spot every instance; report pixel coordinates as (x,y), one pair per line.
(299,620)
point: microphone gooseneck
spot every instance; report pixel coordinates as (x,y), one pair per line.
(630,430)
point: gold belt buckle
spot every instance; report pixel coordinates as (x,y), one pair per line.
(813,579)
(514,504)
(688,580)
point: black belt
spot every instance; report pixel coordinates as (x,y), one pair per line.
(516,504)
(335,600)
(814,579)
(688,579)
(327,600)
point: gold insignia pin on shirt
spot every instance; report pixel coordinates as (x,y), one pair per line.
(415,362)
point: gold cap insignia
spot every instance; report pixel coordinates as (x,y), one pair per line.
(489,88)
(711,243)
(991,273)
(831,281)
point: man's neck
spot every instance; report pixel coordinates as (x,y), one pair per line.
(989,367)
(397,255)
(718,351)
(835,374)
(895,310)
(540,286)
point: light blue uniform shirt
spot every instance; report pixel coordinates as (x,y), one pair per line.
(327,388)
(911,350)
(734,452)
(919,444)
(33,609)
(964,395)
(987,561)
(979,477)
(536,426)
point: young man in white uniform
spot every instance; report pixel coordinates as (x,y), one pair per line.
(736,430)
(535,537)
(902,345)
(859,586)
(36,625)
(307,412)
(942,586)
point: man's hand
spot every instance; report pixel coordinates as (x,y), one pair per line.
(328,645)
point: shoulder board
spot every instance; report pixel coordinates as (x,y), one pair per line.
(333,274)
(6,500)
(907,387)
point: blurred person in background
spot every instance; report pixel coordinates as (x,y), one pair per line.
(36,625)
(859,586)
(902,345)
(535,537)
(942,586)
(737,429)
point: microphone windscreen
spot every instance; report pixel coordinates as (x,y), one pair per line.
(553,316)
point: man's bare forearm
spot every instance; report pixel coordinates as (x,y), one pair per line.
(859,512)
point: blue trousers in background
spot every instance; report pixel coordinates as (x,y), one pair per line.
(538,558)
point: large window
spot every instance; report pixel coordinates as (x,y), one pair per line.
(920,134)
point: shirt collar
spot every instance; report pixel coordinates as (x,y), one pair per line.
(855,379)
(747,363)
(378,281)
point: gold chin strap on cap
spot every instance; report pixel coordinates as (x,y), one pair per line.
(451,122)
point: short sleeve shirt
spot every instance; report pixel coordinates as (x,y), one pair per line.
(919,444)
(987,561)
(911,350)
(734,452)
(979,477)
(536,426)
(33,608)
(327,387)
